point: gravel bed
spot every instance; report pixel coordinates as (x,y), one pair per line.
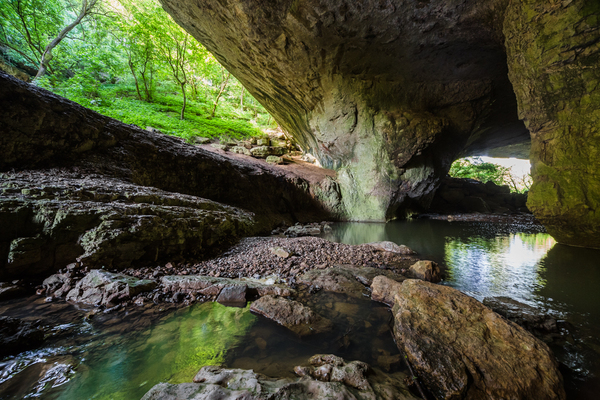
(252,257)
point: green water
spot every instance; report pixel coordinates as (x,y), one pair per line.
(121,355)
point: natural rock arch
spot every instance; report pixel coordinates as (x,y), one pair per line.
(389,92)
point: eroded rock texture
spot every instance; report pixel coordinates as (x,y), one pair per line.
(463,350)
(554,62)
(386,92)
(76,186)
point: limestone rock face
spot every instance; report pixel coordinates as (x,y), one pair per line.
(463,350)
(554,65)
(387,93)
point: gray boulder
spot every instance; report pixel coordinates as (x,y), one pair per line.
(106,288)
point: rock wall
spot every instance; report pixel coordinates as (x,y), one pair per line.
(554,63)
(388,93)
(76,186)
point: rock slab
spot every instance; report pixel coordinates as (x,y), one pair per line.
(463,350)
(106,288)
(293,315)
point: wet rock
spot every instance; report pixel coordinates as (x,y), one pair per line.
(217,383)
(462,349)
(10,291)
(106,288)
(212,286)
(280,252)
(384,290)
(392,247)
(347,279)
(425,270)
(334,279)
(534,320)
(58,285)
(293,315)
(234,295)
(331,368)
(17,335)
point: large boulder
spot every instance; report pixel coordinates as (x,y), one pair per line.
(387,93)
(463,350)
(554,65)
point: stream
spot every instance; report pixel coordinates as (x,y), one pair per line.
(122,354)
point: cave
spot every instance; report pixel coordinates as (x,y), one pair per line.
(389,93)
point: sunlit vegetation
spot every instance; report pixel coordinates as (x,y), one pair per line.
(129,60)
(475,168)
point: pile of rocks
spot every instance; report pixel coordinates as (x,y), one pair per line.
(270,148)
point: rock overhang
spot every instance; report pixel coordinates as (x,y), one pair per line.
(387,93)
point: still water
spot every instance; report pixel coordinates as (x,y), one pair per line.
(520,262)
(122,355)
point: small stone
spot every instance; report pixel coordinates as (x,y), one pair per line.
(274,160)
(201,140)
(220,146)
(241,150)
(280,252)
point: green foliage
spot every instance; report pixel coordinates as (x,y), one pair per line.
(132,62)
(475,168)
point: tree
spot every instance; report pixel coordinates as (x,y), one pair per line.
(172,44)
(224,83)
(26,25)
(87,6)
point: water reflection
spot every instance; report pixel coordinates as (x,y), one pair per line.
(500,266)
(519,262)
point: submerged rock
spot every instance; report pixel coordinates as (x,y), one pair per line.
(106,288)
(293,315)
(17,335)
(463,350)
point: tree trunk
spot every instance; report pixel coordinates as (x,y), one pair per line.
(47,56)
(137,86)
(242,99)
(184,100)
(223,86)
